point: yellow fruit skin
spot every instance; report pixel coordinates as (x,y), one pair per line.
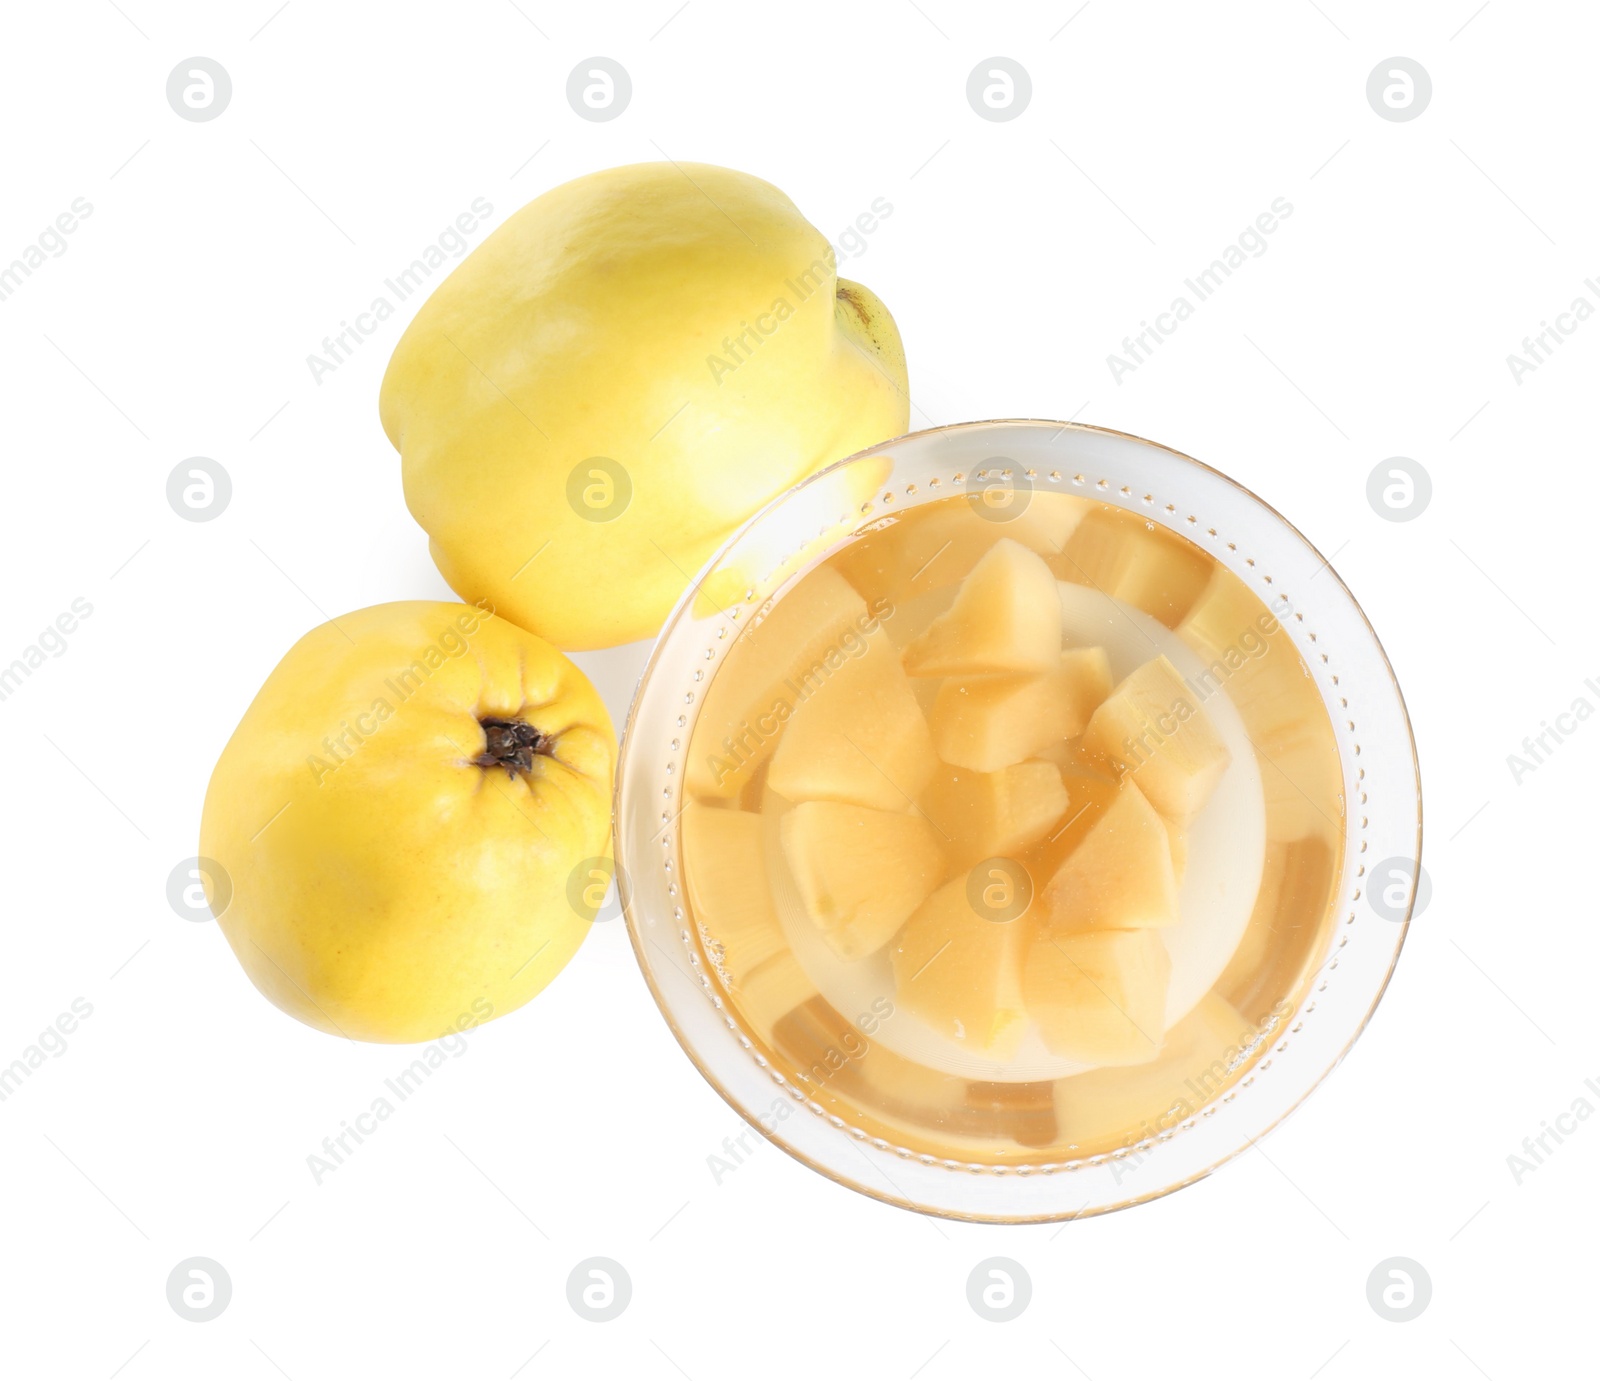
(605,319)
(387,888)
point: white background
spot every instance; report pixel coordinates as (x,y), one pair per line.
(1018,255)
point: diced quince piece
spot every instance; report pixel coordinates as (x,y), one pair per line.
(820,1045)
(860,872)
(1152,724)
(995,814)
(1120,877)
(1076,761)
(1099,997)
(1090,797)
(1003,1109)
(1292,916)
(906,1088)
(763,676)
(857,734)
(1151,568)
(725,872)
(773,990)
(1006,619)
(1249,654)
(1208,1042)
(1228,626)
(1302,784)
(958,970)
(990,722)
(938,543)
(1178,839)
(1106,1109)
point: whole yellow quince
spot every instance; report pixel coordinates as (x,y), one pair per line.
(617,378)
(411,821)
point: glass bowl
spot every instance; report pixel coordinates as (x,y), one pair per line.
(1002,469)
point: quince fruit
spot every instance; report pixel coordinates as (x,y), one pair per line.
(617,378)
(415,817)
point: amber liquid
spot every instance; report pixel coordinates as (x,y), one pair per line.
(1258,884)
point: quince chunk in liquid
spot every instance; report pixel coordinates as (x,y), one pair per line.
(761,678)
(1006,618)
(857,735)
(1120,877)
(959,971)
(860,871)
(995,814)
(1248,652)
(726,875)
(1152,724)
(1099,996)
(987,723)
(1123,1106)
(1141,564)
(773,990)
